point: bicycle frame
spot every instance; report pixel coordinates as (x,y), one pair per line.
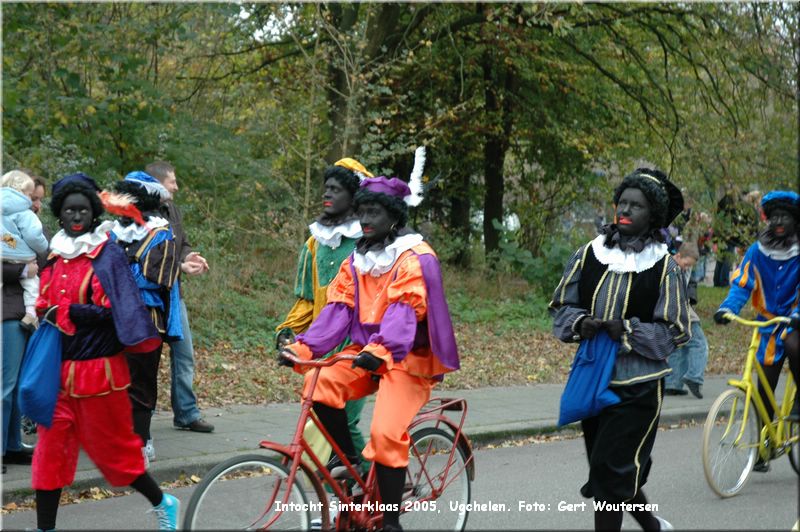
(432,413)
(775,430)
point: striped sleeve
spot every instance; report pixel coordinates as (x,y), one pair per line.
(745,280)
(670,327)
(565,306)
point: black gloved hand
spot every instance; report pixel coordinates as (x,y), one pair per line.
(284,338)
(794,323)
(283,361)
(50,315)
(614,328)
(719,317)
(589,327)
(367,361)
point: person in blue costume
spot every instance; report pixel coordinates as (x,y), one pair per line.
(152,252)
(769,276)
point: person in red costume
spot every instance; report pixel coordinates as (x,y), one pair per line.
(389,300)
(88,292)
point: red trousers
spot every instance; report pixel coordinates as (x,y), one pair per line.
(101,424)
(400,396)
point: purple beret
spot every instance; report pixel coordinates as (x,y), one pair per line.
(391,187)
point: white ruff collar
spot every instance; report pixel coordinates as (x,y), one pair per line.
(780,254)
(376,263)
(619,261)
(69,247)
(135,232)
(332,236)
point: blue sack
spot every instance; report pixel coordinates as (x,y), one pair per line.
(587,392)
(40,376)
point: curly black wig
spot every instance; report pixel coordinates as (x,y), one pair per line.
(655,193)
(146,202)
(346,178)
(77,188)
(395,206)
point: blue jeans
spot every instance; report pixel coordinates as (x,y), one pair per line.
(688,363)
(14,340)
(184,401)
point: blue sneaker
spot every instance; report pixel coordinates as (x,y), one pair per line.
(168,512)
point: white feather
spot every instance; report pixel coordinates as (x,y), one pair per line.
(415,181)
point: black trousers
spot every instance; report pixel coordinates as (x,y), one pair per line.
(143,390)
(619,441)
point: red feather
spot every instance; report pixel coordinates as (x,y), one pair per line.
(122,205)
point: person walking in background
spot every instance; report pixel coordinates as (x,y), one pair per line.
(89,294)
(333,237)
(625,283)
(688,362)
(184,401)
(147,240)
(22,236)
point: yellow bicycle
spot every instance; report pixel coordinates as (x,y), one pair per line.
(734,436)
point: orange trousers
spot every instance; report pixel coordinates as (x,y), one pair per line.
(399,397)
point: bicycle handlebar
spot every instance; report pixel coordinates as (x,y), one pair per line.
(318,363)
(753,323)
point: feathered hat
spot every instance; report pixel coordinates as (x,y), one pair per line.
(121,204)
(411,192)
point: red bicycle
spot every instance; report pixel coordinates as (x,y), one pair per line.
(283,490)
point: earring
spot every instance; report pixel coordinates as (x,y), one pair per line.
(393,226)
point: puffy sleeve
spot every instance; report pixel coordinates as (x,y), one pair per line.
(745,280)
(670,326)
(565,306)
(333,324)
(302,313)
(161,264)
(407,306)
(132,321)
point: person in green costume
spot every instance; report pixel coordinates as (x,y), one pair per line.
(333,237)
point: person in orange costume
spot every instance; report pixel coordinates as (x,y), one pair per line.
(388,298)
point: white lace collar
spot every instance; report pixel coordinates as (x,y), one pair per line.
(332,236)
(376,263)
(135,232)
(780,254)
(619,261)
(70,247)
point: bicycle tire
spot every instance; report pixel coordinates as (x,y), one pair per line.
(240,493)
(727,463)
(793,431)
(433,446)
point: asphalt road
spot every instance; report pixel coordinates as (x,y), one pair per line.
(545,477)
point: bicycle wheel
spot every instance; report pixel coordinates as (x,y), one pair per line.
(793,433)
(245,493)
(730,444)
(28,433)
(436,496)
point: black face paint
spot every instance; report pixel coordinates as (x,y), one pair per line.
(633,213)
(376,222)
(782,224)
(336,200)
(76,214)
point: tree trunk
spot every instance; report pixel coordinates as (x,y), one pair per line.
(460,220)
(342,17)
(499,82)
